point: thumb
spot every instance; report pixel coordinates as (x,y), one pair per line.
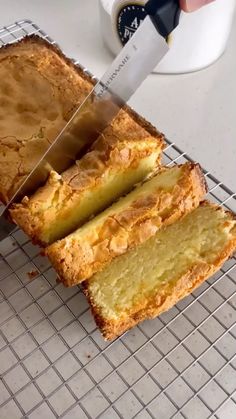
(191,5)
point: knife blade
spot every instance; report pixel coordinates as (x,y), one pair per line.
(133,64)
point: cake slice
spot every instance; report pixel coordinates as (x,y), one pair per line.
(124,155)
(160,201)
(153,276)
(39,91)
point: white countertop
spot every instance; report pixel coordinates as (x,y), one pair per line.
(196,111)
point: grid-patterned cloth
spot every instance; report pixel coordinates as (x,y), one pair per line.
(54,362)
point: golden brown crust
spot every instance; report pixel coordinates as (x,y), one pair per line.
(35,39)
(78,258)
(169,294)
(31,121)
(39,92)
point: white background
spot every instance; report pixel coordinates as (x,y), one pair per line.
(197,111)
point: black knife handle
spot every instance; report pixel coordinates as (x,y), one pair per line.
(164,14)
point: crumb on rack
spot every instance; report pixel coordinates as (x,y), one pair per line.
(32,274)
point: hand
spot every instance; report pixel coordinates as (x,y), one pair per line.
(191,5)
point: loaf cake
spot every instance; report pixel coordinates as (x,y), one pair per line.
(160,201)
(142,254)
(39,91)
(153,276)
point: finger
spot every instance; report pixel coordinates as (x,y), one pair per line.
(192,5)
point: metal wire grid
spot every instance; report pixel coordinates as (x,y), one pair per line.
(54,363)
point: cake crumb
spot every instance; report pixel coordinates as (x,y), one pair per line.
(32,274)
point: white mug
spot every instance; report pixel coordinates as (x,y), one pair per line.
(197,42)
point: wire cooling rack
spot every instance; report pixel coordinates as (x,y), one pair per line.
(54,363)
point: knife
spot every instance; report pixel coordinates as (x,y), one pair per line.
(133,64)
